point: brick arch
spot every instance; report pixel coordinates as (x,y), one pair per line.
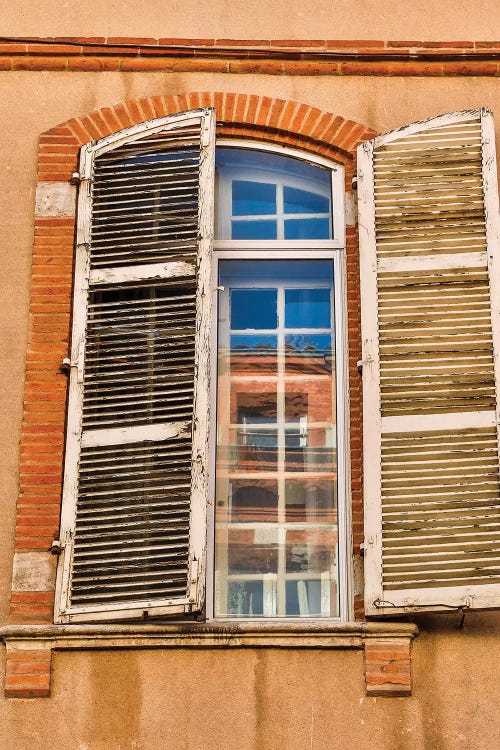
(280,121)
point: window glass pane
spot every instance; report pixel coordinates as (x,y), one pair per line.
(276,519)
(310,500)
(254,230)
(253,198)
(253,308)
(253,183)
(252,551)
(252,354)
(307,308)
(245,598)
(308,353)
(252,499)
(309,451)
(303,598)
(307,229)
(304,202)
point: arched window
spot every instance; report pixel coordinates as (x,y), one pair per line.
(280,482)
(137,498)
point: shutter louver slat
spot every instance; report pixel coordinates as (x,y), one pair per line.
(134,498)
(432,501)
(159,221)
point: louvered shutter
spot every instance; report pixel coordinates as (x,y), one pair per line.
(133,524)
(429,244)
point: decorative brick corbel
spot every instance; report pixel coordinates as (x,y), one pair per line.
(388,667)
(27,673)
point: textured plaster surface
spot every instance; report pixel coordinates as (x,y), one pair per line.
(238,19)
(266,699)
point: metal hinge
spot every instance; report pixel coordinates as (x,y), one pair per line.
(68,363)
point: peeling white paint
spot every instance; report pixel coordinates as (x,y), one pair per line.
(55,199)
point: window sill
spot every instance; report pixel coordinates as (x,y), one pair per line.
(386,646)
(223,634)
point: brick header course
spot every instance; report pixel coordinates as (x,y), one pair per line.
(271,57)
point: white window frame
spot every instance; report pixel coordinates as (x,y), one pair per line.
(333,250)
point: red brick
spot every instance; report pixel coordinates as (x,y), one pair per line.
(42,63)
(448,45)
(100,123)
(82,63)
(33,597)
(123,115)
(388,667)
(130,40)
(242,43)
(487,45)
(404,44)
(79,130)
(267,67)
(12,48)
(301,43)
(353,43)
(170,41)
(53,49)
(28,655)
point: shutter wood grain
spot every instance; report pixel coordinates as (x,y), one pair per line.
(134,506)
(430,327)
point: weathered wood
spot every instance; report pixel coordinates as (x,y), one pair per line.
(109,457)
(428,207)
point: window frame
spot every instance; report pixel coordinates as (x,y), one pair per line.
(333,250)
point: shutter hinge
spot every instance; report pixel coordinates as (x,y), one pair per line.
(205,133)
(56,547)
(67,364)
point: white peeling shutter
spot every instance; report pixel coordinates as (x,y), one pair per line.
(429,243)
(133,524)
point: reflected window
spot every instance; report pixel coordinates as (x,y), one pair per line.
(266,196)
(277,487)
(276,518)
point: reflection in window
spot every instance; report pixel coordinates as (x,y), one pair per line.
(265,196)
(276,516)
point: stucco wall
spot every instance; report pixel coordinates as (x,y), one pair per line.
(238,699)
(267,699)
(258,19)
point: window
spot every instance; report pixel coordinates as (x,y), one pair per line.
(279,442)
(137,500)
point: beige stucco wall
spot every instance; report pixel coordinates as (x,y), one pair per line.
(266,699)
(238,699)
(257,19)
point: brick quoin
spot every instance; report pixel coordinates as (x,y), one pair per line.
(388,667)
(27,673)
(252,117)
